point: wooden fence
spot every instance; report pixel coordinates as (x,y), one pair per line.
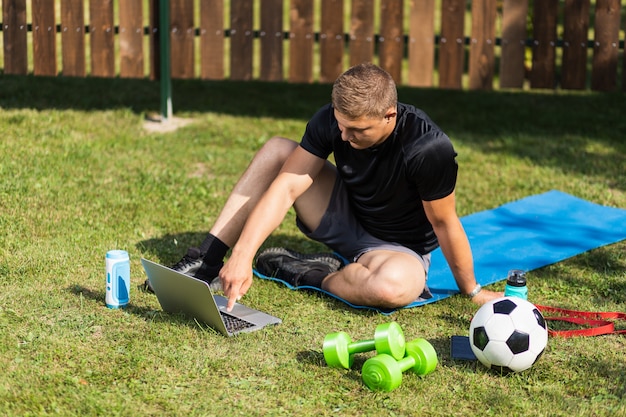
(323,38)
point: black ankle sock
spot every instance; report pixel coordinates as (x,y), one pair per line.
(214,250)
(312,278)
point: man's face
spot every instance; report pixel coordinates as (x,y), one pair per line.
(365,132)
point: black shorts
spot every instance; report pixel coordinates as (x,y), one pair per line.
(342,232)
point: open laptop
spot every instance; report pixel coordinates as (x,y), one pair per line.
(180,293)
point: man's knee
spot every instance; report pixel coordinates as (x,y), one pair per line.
(398,281)
(397,292)
(278,147)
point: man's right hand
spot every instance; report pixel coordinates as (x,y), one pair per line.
(485,296)
(236,278)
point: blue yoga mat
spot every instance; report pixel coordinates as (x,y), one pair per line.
(527,234)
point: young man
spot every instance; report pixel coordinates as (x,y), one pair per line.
(385,205)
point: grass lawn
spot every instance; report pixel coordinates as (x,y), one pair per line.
(81,175)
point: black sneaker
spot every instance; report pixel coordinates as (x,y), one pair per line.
(296,268)
(209,274)
(189,263)
(192,264)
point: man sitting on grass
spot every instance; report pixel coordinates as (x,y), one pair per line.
(385,205)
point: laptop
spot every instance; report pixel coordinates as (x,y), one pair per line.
(180,293)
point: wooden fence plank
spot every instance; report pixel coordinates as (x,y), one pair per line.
(331,40)
(512,59)
(606,45)
(101,36)
(182,35)
(545,16)
(271,40)
(575,29)
(361,32)
(421,47)
(301,41)
(452,47)
(212,39)
(131,39)
(44,38)
(482,56)
(391,42)
(14,32)
(241,37)
(73,37)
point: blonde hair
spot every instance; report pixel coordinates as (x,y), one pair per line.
(364,90)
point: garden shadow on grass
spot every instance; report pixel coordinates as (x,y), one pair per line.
(146,313)
(532,125)
(316,358)
(169,248)
(99,296)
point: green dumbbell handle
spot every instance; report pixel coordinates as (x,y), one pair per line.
(383,372)
(339,348)
(361,346)
(421,357)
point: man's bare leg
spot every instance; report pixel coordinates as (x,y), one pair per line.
(255,180)
(205,261)
(380,278)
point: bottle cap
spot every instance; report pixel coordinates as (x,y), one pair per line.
(117,254)
(516,278)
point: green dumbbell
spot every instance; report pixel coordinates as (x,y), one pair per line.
(339,349)
(384,373)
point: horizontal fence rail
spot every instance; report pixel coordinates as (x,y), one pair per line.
(507,44)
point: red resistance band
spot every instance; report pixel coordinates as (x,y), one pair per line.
(598,322)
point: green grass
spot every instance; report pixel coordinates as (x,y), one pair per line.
(81,175)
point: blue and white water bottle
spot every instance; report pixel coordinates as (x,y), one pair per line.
(516,284)
(117,279)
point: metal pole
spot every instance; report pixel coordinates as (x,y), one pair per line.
(164,40)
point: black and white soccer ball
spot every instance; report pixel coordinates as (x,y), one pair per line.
(508,334)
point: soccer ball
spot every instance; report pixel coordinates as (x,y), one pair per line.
(508,334)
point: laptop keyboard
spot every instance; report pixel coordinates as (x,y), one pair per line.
(234,324)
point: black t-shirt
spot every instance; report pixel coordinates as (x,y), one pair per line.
(387,183)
